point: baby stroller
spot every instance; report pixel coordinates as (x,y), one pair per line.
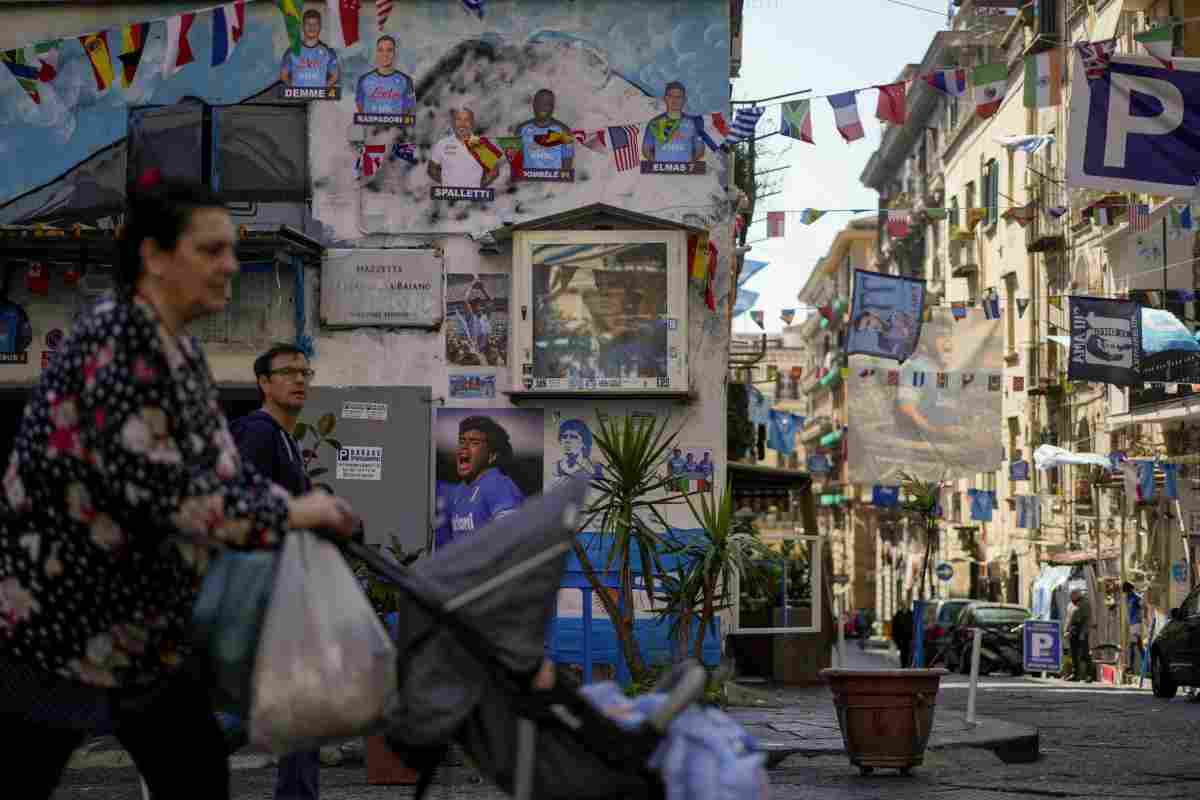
(471,639)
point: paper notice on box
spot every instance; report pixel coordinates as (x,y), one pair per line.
(360,464)
(377,412)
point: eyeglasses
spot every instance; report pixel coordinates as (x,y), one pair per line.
(291,373)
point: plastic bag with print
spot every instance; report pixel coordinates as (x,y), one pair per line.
(326,669)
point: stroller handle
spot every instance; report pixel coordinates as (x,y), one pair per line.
(685,684)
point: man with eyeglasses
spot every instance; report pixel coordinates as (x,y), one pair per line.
(266,439)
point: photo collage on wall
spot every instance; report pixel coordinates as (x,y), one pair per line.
(477,329)
(489,462)
(309,68)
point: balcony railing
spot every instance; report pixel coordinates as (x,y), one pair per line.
(1047,231)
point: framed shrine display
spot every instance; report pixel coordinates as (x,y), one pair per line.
(600,311)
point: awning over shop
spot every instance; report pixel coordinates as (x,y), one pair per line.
(1083,556)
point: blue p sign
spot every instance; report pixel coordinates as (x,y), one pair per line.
(1043,646)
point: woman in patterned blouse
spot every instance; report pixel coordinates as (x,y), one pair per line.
(123,462)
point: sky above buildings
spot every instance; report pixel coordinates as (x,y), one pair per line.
(828,48)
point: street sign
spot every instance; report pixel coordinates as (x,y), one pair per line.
(1043,646)
(944,571)
(841,580)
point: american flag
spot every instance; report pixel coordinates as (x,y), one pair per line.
(370,158)
(1096,56)
(383,9)
(474,7)
(1139,219)
(623,140)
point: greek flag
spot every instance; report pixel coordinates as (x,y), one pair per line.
(744,123)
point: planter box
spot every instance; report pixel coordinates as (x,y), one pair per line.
(885,716)
(384,768)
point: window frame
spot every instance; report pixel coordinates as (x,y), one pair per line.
(816,592)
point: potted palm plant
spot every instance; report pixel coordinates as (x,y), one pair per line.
(886,716)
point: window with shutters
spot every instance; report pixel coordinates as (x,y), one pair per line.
(990,183)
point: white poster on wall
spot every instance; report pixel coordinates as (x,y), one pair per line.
(382,288)
(376,412)
(360,464)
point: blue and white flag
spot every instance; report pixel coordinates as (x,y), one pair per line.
(744,123)
(991,307)
(1026,144)
(886,313)
(475,7)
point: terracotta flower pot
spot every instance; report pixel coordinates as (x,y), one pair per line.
(384,768)
(885,715)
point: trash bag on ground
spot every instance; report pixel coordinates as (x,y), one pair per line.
(326,668)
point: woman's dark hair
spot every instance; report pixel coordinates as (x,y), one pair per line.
(160,211)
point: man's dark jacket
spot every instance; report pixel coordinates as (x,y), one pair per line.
(264,443)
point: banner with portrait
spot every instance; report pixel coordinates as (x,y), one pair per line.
(886,312)
(1106,338)
(939,416)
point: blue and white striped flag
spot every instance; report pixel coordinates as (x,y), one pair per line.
(991,307)
(474,7)
(744,123)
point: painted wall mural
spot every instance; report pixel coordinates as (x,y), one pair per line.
(462,123)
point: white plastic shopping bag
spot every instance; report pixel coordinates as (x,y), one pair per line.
(326,668)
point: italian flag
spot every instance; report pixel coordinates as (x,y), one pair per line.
(1159,43)
(991,81)
(1043,79)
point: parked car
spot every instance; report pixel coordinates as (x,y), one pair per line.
(1175,654)
(1002,646)
(939,628)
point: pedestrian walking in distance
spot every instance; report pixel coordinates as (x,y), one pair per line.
(902,635)
(122,467)
(1079,638)
(266,439)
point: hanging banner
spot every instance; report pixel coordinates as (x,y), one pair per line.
(935,418)
(886,315)
(1169,351)
(1105,341)
(1133,128)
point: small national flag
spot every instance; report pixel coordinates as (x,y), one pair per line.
(404,151)
(974,217)
(698,256)
(1022,304)
(918,379)
(991,81)
(810,215)
(229,22)
(370,159)
(757,316)
(179,50)
(1028,144)
(936,213)
(1096,57)
(943,380)
(893,377)
(744,122)
(1018,383)
(892,105)
(898,224)
(32,66)
(714,130)
(1181,217)
(383,10)
(787,315)
(866,373)
(948,81)
(553,138)
(775,224)
(485,153)
(1102,215)
(1159,43)
(96,47)
(796,120)
(475,7)
(991,307)
(133,42)
(1139,219)
(1043,79)
(592,140)
(622,139)
(845,114)
(967,379)
(346,12)
(1056,211)
(994,383)
(515,152)
(294,23)
(959,310)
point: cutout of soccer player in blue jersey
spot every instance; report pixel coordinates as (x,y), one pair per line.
(385,90)
(546,143)
(673,137)
(317,66)
(484,492)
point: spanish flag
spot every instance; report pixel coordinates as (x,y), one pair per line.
(554,138)
(698,256)
(96,47)
(293,21)
(133,42)
(486,153)
(511,145)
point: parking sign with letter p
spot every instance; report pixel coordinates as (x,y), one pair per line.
(1043,646)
